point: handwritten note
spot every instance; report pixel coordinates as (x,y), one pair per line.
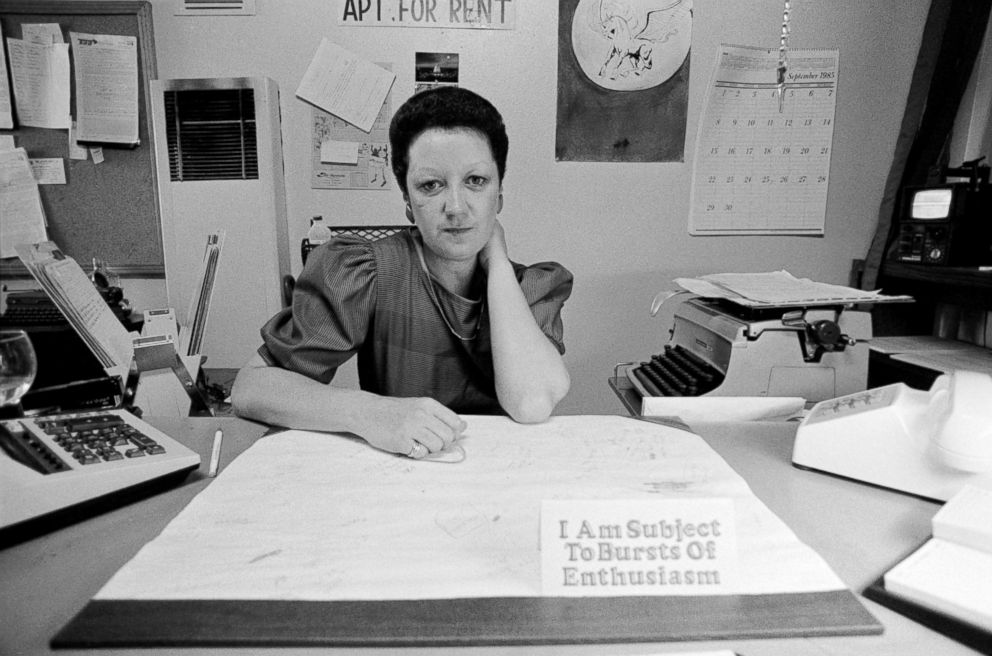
(345,85)
(40,75)
(48,170)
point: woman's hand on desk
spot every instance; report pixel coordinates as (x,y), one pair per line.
(399,424)
(392,424)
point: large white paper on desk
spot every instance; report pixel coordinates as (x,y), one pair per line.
(312,516)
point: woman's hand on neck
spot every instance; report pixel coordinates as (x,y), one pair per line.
(495,248)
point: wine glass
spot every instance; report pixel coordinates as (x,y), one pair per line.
(18,367)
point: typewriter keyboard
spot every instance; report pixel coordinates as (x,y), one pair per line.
(33,315)
(677,372)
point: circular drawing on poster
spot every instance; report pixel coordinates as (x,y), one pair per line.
(628,45)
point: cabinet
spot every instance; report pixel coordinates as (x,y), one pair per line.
(936,289)
(954,303)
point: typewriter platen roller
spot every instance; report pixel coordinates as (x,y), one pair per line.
(721,349)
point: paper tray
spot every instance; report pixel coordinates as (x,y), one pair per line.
(712,409)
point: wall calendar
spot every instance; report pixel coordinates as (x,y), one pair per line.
(762,161)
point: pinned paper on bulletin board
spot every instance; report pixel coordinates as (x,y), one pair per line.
(42,100)
(365,168)
(344,84)
(106,75)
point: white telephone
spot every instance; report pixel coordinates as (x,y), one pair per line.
(926,443)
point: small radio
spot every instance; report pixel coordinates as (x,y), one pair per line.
(949,224)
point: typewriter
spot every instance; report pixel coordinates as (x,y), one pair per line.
(718,348)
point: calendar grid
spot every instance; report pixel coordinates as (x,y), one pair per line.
(759,170)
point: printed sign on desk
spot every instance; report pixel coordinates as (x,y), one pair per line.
(615,548)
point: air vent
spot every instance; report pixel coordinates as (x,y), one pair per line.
(215,8)
(211,134)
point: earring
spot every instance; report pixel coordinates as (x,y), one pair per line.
(409,214)
(499,204)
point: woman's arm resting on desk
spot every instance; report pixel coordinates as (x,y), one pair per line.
(530,376)
(285,398)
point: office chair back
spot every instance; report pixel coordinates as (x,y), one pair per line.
(366,232)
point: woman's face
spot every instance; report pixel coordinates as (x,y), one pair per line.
(453,188)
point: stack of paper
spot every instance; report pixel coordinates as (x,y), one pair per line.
(778,289)
(935,353)
(86,311)
(952,572)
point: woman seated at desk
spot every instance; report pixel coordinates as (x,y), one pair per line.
(441,319)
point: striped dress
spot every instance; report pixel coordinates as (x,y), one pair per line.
(377,300)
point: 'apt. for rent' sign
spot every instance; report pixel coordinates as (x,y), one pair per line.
(484,14)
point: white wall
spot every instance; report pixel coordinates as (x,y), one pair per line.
(620,228)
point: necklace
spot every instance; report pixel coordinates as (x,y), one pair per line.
(437,303)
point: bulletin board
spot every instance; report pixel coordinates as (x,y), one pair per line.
(107,210)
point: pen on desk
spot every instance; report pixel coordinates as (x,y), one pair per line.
(215,454)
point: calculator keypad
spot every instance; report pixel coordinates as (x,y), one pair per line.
(91,439)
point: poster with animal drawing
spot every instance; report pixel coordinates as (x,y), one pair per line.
(623,80)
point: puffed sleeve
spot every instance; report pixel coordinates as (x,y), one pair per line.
(333,302)
(546,286)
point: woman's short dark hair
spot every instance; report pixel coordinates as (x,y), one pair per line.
(445,108)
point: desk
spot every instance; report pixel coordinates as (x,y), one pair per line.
(860,531)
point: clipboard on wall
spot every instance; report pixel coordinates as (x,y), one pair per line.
(109,210)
